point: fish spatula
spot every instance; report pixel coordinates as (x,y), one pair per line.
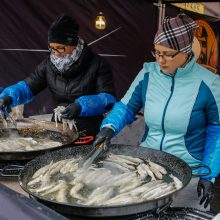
(92,156)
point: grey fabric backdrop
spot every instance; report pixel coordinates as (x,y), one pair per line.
(24,25)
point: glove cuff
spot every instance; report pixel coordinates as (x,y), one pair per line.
(210,179)
(108,126)
(108,131)
(78,107)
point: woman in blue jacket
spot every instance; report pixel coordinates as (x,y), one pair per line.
(180,100)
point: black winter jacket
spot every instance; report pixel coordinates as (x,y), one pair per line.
(89,75)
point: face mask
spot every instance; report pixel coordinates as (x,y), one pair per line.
(64,63)
(61,63)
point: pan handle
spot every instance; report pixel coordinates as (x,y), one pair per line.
(11,170)
(161,209)
(199,166)
(84,140)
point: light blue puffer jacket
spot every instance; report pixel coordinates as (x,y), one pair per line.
(181,112)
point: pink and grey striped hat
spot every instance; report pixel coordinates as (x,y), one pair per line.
(176,33)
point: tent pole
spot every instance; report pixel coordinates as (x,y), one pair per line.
(161,11)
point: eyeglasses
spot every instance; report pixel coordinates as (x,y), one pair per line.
(157,55)
(58,50)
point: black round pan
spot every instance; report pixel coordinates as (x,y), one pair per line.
(66,139)
(173,164)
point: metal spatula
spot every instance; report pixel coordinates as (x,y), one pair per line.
(4,115)
(92,156)
(13,120)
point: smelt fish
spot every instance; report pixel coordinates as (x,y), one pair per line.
(61,195)
(129,158)
(60,185)
(115,166)
(142,171)
(177,182)
(158,167)
(125,199)
(99,199)
(156,172)
(141,189)
(161,191)
(150,173)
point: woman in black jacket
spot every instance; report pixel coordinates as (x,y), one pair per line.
(76,77)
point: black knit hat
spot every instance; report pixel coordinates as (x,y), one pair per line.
(64,30)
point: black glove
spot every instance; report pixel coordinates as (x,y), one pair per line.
(205,188)
(105,135)
(5,102)
(72,111)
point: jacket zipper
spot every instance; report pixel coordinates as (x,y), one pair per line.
(164,112)
(66,87)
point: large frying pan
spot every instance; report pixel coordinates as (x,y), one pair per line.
(35,128)
(173,164)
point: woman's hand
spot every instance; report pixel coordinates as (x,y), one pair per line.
(72,111)
(5,102)
(105,135)
(205,188)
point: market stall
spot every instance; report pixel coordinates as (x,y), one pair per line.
(123,39)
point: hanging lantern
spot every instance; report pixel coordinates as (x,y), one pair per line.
(100,22)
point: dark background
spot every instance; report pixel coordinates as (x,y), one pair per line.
(24,25)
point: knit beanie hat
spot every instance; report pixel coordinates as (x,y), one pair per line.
(176,33)
(64,30)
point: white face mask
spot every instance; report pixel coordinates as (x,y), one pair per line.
(64,63)
(59,58)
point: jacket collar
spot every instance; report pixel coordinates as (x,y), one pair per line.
(181,71)
(79,66)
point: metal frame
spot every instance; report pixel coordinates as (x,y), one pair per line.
(161,5)
(161,11)
(185,1)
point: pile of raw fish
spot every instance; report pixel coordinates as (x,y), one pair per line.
(16,143)
(117,180)
(66,122)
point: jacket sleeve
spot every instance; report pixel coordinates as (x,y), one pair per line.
(37,79)
(103,101)
(95,105)
(212,152)
(124,111)
(212,146)
(104,78)
(19,92)
(120,116)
